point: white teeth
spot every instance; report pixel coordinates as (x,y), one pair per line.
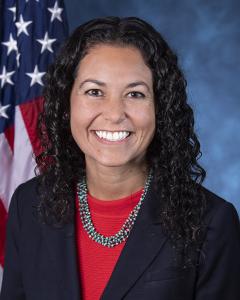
(113,136)
(109,136)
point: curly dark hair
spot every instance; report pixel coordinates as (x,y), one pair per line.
(173,153)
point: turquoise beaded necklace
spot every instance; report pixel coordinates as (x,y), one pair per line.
(123,233)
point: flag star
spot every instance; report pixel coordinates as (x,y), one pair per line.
(13,10)
(46,43)
(3,111)
(6,77)
(56,12)
(11,45)
(36,76)
(22,26)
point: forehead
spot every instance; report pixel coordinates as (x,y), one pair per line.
(116,62)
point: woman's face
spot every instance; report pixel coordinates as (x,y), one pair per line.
(112,106)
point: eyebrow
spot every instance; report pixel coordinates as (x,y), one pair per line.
(100,83)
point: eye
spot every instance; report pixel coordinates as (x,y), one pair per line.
(94,93)
(136,95)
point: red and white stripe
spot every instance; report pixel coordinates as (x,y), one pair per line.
(17,148)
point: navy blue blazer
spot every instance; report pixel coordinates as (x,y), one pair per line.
(41,262)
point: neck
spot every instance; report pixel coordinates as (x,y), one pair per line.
(109,183)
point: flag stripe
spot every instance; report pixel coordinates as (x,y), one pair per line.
(30,111)
(18,167)
(1,273)
(6,167)
(9,133)
(3,219)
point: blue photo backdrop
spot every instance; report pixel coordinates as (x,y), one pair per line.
(206,37)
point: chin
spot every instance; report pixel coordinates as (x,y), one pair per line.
(113,162)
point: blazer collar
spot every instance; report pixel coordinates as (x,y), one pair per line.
(143,244)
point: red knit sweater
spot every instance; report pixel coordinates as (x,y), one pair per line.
(95,261)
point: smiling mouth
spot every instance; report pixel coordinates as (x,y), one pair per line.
(112,136)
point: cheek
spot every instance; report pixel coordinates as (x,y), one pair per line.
(145,119)
(78,123)
(81,116)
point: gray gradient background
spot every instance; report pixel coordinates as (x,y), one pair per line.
(206,37)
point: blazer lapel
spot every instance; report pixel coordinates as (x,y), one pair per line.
(61,248)
(143,244)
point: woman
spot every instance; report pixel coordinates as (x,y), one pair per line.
(119,211)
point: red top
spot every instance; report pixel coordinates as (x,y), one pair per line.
(95,261)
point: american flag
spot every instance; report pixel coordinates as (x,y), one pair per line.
(32,31)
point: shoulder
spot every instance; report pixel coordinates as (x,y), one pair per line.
(219,260)
(218,209)
(222,223)
(29,187)
(24,199)
(27,190)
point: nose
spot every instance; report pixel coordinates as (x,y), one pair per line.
(114,110)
